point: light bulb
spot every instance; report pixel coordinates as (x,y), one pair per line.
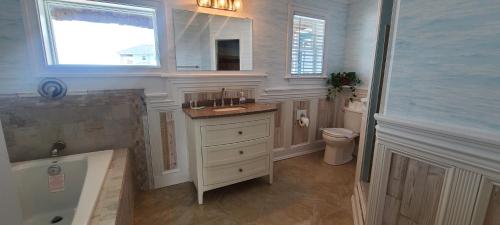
(222,4)
(204,3)
(237,4)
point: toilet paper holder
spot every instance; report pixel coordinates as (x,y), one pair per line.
(300,113)
(302,119)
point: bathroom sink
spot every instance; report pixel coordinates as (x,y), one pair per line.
(229,109)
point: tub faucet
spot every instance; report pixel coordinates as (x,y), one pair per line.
(57,148)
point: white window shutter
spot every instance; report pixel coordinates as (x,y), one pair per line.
(308,44)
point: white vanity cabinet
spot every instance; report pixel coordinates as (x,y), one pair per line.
(230,149)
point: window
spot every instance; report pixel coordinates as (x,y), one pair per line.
(307,46)
(80,32)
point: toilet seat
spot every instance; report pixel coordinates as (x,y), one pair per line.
(340,133)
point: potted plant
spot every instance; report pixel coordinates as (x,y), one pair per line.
(338,82)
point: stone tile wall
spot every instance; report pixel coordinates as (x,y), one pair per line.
(98,120)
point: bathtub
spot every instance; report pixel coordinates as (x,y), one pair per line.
(83,178)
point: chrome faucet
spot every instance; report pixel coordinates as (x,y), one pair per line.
(57,148)
(222,95)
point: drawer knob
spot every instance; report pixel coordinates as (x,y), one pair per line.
(241,152)
(240,132)
(241,170)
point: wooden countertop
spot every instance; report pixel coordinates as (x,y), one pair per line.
(250,108)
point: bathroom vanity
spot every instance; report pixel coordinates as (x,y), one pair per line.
(229,145)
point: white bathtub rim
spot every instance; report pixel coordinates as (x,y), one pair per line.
(98,165)
(47,161)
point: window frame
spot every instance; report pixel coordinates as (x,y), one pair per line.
(42,49)
(315,14)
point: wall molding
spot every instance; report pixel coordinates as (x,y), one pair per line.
(28,94)
(160,101)
(215,74)
(204,80)
(476,150)
(303,92)
(179,85)
(291,93)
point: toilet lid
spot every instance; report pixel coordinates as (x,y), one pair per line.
(340,132)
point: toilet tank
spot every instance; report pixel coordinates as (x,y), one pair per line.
(352,119)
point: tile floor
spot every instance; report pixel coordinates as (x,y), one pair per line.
(306,191)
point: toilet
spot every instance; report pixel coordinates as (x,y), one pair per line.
(340,142)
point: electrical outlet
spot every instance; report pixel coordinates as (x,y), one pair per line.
(300,113)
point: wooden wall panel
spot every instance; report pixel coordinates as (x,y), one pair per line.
(413,189)
(397,176)
(413,192)
(464,189)
(300,134)
(326,116)
(168,140)
(493,211)
(278,126)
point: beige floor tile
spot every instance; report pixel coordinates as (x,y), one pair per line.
(306,191)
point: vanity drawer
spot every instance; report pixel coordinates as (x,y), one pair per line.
(217,155)
(235,171)
(234,132)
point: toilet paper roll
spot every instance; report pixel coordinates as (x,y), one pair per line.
(304,122)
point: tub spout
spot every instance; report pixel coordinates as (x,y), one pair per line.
(57,148)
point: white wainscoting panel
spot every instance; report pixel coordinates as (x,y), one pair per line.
(471,160)
(464,189)
(157,103)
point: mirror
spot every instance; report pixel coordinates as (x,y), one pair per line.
(211,42)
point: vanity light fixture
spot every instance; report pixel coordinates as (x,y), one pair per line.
(231,5)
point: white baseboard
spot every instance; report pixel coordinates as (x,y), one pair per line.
(298,150)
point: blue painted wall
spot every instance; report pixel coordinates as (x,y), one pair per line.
(446,65)
(14,59)
(361,39)
(270,32)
